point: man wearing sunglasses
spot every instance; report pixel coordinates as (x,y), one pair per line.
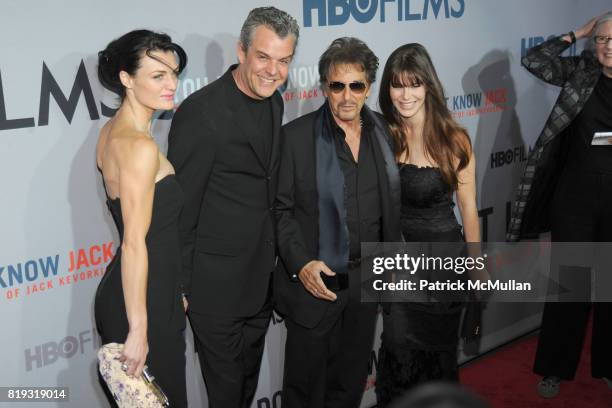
(338,187)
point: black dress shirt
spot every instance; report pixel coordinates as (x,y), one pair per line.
(362,192)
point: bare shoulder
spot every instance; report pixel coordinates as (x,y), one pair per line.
(103,137)
(464,155)
(135,150)
(463,140)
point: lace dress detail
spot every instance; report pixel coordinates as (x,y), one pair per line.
(419,340)
(427,205)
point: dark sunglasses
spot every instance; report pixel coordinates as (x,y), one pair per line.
(337,87)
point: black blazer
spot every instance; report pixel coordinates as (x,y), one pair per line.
(296,211)
(226,226)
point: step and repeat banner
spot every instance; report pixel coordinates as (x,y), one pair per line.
(57,235)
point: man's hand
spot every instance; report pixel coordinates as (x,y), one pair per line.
(310,276)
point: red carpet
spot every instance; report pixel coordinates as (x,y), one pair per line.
(504,378)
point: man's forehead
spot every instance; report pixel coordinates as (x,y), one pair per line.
(344,69)
(265,39)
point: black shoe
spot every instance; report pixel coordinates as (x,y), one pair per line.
(549,387)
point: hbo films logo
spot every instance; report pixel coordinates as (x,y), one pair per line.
(50,352)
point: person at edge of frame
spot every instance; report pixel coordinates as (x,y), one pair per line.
(567,189)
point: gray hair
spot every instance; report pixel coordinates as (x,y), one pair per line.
(603,19)
(276,20)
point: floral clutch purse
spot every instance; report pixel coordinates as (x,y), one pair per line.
(129,392)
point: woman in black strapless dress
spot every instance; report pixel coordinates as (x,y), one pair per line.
(138,302)
(419,340)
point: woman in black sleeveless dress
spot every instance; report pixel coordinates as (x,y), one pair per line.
(138,302)
(419,340)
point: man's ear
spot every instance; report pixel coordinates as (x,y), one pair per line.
(241,51)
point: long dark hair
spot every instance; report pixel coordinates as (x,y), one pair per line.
(444,139)
(124,54)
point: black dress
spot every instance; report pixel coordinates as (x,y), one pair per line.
(419,340)
(165,314)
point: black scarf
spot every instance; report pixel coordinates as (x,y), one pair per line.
(333,230)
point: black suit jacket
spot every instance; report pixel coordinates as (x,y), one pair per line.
(296,211)
(226,226)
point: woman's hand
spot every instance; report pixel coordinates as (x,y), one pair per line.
(135,351)
(586,30)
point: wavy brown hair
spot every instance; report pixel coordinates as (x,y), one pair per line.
(444,139)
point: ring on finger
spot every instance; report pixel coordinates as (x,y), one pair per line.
(124,367)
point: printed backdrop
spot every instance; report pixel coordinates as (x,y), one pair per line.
(57,235)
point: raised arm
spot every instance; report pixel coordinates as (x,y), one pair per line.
(138,165)
(545,60)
